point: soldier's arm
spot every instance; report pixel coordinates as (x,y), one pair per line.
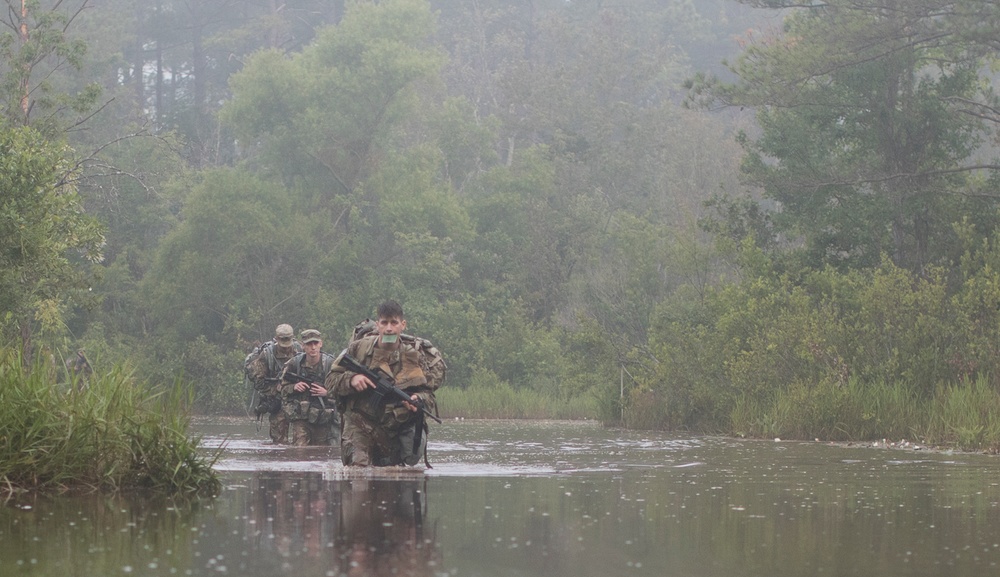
(338,380)
(286,383)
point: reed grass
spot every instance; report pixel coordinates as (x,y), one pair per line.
(502,401)
(110,433)
(964,416)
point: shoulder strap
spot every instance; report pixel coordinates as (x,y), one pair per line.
(327,361)
(296,362)
(272,360)
(365,346)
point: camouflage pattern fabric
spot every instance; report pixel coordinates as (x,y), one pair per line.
(376,433)
(265,371)
(312,422)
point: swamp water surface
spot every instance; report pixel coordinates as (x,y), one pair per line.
(553,499)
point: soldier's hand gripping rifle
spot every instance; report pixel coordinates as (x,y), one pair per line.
(296,378)
(384,385)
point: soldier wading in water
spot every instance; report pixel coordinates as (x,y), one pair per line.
(313,419)
(264,368)
(376,430)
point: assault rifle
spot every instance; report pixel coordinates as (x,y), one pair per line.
(384,384)
(295,378)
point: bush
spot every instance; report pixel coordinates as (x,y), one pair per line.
(854,355)
(108,433)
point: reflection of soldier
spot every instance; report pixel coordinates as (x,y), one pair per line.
(297,513)
(303,525)
(390,538)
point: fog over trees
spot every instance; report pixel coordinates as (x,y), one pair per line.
(687,212)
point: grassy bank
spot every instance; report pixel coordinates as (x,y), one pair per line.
(965,416)
(504,402)
(114,433)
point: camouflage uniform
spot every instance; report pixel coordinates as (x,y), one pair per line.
(266,374)
(311,421)
(380,433)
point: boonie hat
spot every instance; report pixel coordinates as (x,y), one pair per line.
(283,334)
(310,336)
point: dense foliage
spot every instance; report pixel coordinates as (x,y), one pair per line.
(530,180)
(110,431)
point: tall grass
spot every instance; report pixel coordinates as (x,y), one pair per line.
(965,416)
(114,433)
(501,401)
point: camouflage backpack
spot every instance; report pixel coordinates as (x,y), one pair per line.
(251,357)
(265,393)
(431,355)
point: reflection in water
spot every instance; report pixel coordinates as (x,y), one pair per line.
(383,529)
(95,535)
(303,524)
(527,499)
(277,523)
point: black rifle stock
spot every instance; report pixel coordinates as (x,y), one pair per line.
(384,384)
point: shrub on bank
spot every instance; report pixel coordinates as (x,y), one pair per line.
(836,355)
(506,403)
(110,432)
(834,412)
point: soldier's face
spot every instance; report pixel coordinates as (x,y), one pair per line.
(391,326)
(312,349)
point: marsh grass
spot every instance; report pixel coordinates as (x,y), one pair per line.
(111,432)
(501,401)
(964,416)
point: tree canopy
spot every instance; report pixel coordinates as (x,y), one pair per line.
(869,141)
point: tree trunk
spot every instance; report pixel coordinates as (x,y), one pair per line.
(158,89)
(23,34)
(139,64)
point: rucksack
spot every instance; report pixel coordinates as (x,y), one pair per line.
(251,357)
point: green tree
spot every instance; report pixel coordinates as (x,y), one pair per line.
(34,49)
(863,143)
(238,262)
(326,116)
(44,236)
(177,57)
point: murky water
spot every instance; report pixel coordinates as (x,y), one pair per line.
(553,499)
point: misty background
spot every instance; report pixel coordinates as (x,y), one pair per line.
(687,213)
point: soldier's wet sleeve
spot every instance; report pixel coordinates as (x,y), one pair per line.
(335,381)
(338,380)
